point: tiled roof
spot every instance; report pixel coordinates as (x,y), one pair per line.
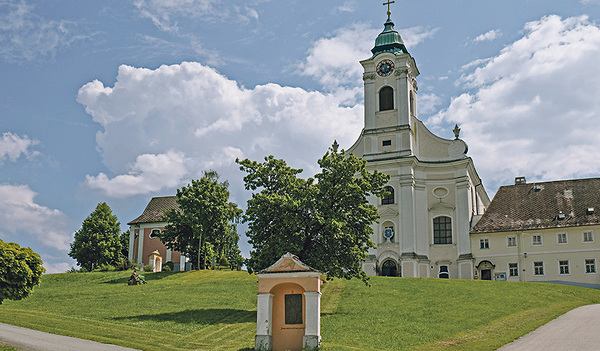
(531,206)
(155,209)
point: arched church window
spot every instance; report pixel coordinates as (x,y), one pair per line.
(444,272)
(154,233)
(442,230)
(388,198)
(389,269)
(386,99)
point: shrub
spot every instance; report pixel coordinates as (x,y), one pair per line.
(166,268)
(148,268)
(105,268)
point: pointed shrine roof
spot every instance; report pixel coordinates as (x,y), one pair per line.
(288,263)
(155,210)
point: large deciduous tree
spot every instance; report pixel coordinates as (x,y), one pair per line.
(325,220)
(97,243)
(204,222)
(20,271)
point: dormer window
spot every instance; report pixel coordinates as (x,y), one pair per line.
(386,99)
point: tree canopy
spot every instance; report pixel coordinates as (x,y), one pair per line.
(20,271)
(204,225)
(325,220)
(98,242)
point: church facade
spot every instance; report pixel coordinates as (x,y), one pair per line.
(434,192)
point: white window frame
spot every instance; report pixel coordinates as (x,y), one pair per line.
(593,263)
(484,243)
(566,237)
(534,242)
(583,235)
(152,231)
(561,267)
(535,273)
(516,269)
(508,240)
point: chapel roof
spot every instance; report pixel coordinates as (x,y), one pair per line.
(155,210)
(389,40)
(531,206)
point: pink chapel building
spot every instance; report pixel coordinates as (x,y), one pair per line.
(143,240)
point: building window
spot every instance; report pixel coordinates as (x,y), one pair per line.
(536,239)
(442,230)
(484,243)
(561,238)
(563,267)
(444,272)
(590,265)
(386,143)
(386,99)
(154,233)
(293,309)
(512,241)
(513,269)
(388,198)
(538,268)
(588,237)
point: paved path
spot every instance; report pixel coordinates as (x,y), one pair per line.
(32,340)
(576,330)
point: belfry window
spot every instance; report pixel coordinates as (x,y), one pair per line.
(386,99)
(388,198)
(442,230)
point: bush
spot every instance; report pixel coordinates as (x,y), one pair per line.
(105,268)
(124,264)
(148,268)
(169,264)
(166,268)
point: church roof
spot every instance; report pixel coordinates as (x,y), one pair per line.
(389,40)
(155,210)
(531,206)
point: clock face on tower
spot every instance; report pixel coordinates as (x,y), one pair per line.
(385,68)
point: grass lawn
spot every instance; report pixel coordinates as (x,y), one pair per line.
(216,310)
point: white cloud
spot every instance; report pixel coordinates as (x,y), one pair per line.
(13,146)
(333,61)
(348,6)
(532,110)
(20,214)
(149,173)
(210,120)
(166,13)
(56,267)
(25,35)
(488,36)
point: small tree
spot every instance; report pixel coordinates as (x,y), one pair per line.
(20,271)
(97,242)
(326,223)
(204,220)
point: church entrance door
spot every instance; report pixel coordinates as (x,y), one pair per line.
(389,269)
(486,274)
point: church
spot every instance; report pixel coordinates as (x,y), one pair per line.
(434,192)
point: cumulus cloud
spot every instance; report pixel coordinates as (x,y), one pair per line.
(19,214)
(532,110)
(348,6)
(333,61)
(13,146)
(25,35)
(488,36)
(163,126)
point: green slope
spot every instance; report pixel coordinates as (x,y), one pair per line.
(216,310)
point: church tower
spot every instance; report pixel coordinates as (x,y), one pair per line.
(435,194)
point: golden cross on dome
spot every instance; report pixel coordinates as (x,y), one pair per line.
(388,5)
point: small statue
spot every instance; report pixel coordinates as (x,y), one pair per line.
(456,131)
(136,279)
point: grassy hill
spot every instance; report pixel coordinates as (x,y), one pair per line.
(216,310)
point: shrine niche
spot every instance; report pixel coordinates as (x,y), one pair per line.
(289,306)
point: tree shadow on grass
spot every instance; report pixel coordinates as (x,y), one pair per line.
(208,316)
(148,276)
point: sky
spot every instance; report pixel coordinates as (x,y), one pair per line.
(118,101)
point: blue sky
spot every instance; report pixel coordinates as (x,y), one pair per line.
(118,101)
